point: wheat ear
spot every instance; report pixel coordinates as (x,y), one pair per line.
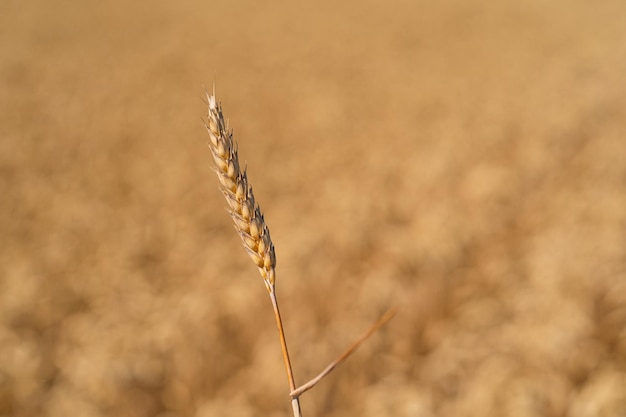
(247,216)
(243,208)
(255,236)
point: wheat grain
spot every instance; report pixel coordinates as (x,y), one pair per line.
(242,207)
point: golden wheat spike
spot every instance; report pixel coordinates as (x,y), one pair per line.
(242,207)
(255,235)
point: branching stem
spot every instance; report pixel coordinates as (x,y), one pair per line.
(295,393)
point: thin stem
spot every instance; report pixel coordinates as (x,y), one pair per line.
(295,401)
(295,393)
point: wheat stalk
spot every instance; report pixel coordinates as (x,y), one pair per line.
(255,235)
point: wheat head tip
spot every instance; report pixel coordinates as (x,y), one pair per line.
(233,182)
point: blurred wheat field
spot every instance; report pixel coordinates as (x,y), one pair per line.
(464,161)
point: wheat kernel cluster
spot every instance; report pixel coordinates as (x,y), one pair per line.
(242,207)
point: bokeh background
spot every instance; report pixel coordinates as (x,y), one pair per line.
(463,161)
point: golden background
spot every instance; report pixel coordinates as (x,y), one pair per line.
(464,161)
